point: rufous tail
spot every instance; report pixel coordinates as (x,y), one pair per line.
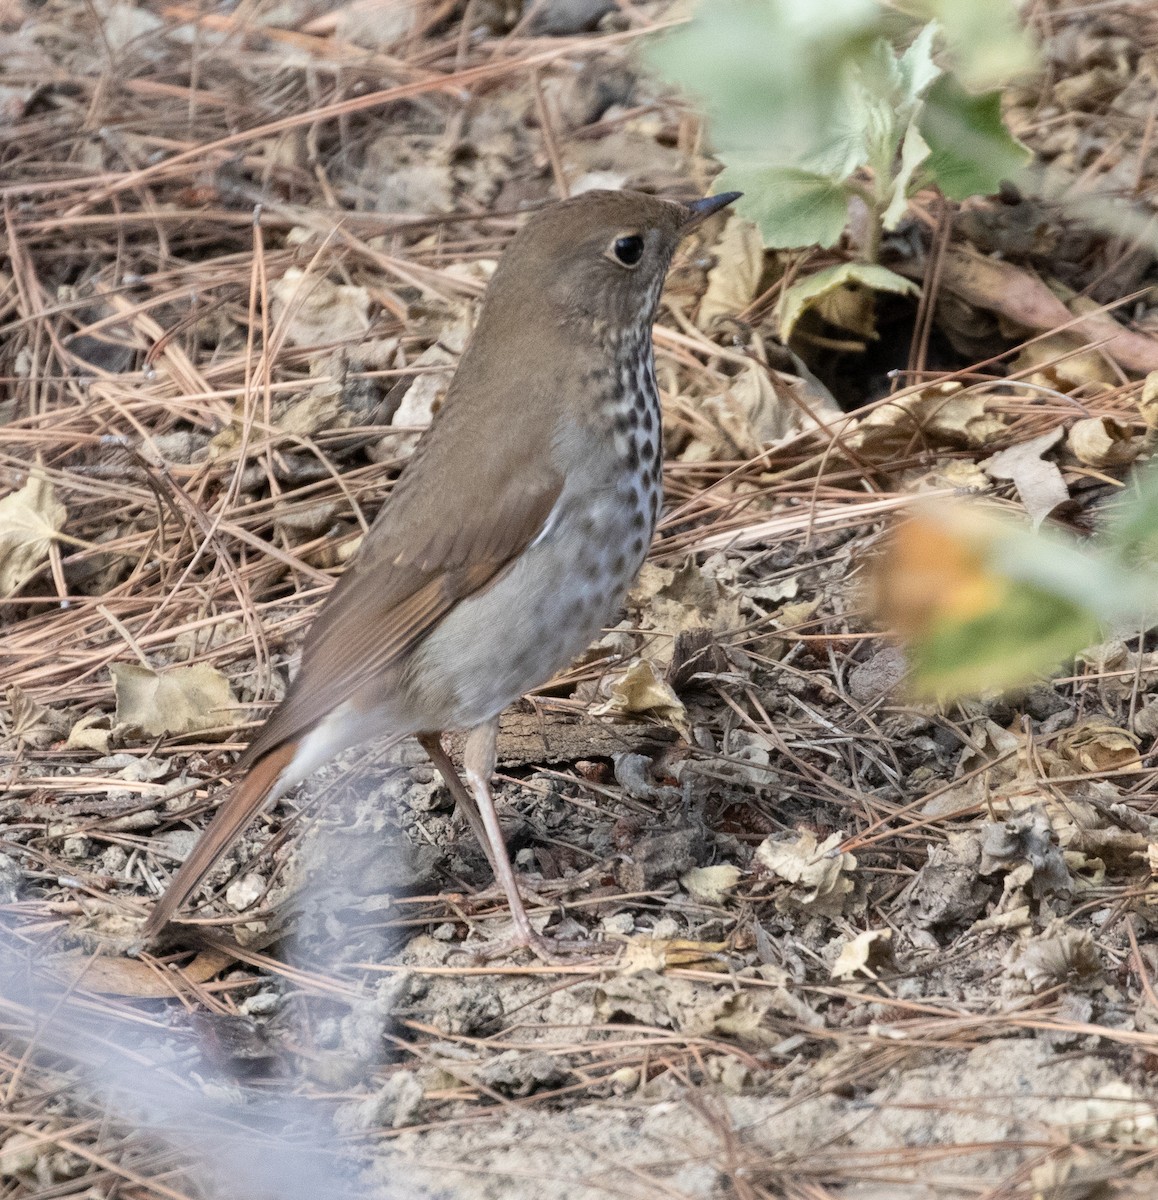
(225,828)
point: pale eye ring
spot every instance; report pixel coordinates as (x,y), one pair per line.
(628,250)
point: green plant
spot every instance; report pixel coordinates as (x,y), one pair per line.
(811,105)
(983,603)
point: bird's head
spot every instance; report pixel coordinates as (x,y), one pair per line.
(598,259)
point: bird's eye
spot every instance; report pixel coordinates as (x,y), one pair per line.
(628,250)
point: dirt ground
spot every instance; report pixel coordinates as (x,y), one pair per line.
(848,945)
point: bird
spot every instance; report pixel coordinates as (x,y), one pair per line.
(510,537)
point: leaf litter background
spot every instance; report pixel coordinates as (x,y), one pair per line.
(864,948)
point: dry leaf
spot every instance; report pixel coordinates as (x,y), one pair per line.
(182,700)
(1096,745)
(90,733)
(313,310)
(800,860)
(640,690)
(655,954)
(1024,299)
(1148,401)
(425,395)
(710,885)
(1103,442)
(1058,362)
(29,520)
(732,282)
(941,415)
(132,976)
(864,955)
(1039,483)
(1060,956)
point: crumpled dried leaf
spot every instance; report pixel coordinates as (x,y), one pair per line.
(1097,745)
(732,282)
(813,867)
(656,954)
(1148,401)
(947,890)
(29,519)
(640,689)
(1021,297)
(28,722)
(1060,955)
(182,700)
(865,954)
(760,408)
(425,395)
(314,310)
(944,414)
(1039,483)
(1103,442)
(91,732)
(710,885)
(110,976)
(1063,365)
(1025,841)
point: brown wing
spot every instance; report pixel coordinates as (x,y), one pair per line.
(433,544)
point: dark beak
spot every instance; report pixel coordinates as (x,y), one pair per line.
(701,210)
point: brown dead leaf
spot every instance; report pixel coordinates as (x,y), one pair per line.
(1025,300)
(1039,483)
(732,282)
(1060,956)
(132,976)
(29,520)
(1059,362)
(865,954)
(640,689)
(1148,401)
(91,732)
(710,885)
(182,700)
(1103,442)
(941,415)
(816,869)
(1096,745)
(314,310)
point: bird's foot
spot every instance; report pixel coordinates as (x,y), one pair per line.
(556,952)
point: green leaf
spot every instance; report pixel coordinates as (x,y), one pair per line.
(914,152)
(971,150)
(792,207)
(769,73)
(916,66)
(987,43)
(1027,635)
(802,296)
(1133,533)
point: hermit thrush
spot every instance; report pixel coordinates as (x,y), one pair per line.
(511,536)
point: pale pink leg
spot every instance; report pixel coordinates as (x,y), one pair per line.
(479,765)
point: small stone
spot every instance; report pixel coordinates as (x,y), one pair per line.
(242,893)
(19,1154)
(261,1004)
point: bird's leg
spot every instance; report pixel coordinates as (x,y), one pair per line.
(464,801)
(478,761)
